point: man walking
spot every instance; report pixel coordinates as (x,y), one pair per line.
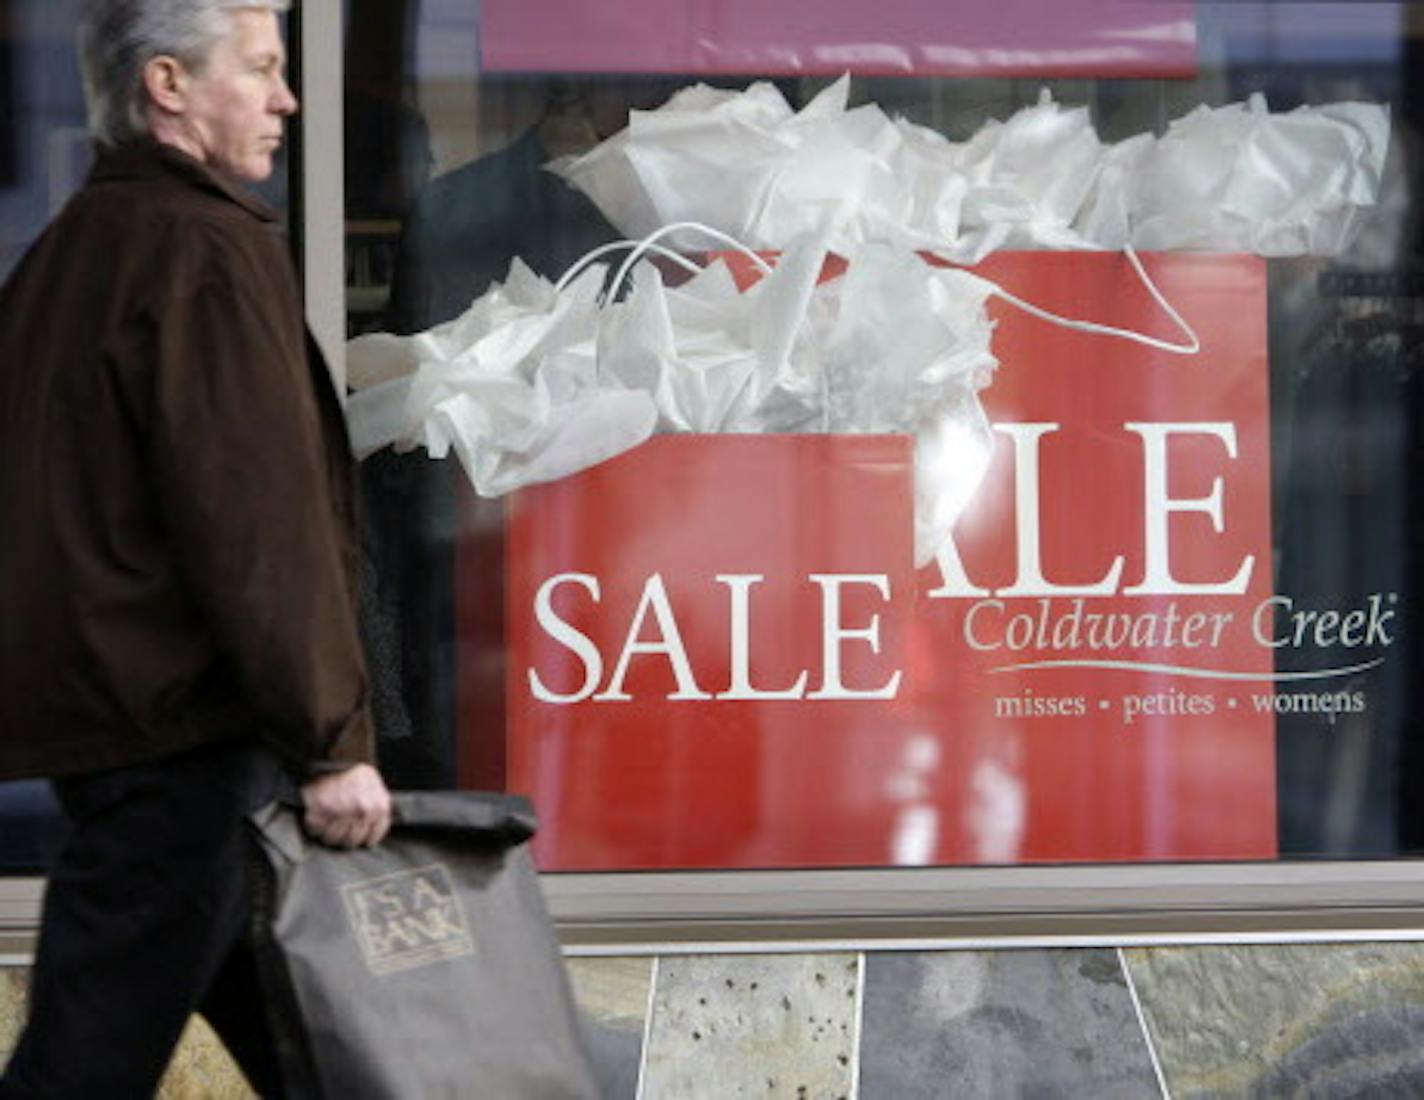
(177,629)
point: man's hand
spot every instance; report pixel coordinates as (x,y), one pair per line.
(348,809)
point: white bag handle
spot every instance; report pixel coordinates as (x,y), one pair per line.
(649,244)
(1190,348)
(618,246)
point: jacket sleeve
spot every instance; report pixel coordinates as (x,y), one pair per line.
(243,478)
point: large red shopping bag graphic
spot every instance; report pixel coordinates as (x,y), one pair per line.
(719,654)
(1089,654)
(706,639)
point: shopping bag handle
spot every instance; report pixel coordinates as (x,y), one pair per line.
(578,266)
(638,249)
(509,818)
(503,819)
(1191,347)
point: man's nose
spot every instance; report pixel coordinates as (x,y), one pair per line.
(285,102)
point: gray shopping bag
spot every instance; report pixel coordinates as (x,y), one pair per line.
(423,968)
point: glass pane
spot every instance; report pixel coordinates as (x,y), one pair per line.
(863,562)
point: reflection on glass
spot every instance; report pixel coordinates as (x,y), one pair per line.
(31,828)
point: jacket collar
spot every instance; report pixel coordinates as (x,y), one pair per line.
(147,159)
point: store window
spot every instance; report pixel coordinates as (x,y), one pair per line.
(831,556)
(858,563)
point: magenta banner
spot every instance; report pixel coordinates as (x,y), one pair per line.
(1088,38)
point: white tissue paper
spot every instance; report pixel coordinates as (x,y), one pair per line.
(1240,179)
(1234,178)
(548,383)
(1027,179)
(922,382)
(745,163)
(534,383)
(510,385)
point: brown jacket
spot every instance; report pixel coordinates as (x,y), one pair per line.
(176,535)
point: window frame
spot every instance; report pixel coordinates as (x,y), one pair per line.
(662,912)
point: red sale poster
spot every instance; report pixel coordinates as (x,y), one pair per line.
(718,653)
(1088,669)
(1031,38)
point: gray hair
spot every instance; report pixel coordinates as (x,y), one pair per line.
(117,38)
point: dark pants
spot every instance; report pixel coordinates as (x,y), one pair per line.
(145,922)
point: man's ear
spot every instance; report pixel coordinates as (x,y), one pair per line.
(166,81)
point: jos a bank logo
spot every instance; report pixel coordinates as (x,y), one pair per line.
(655,614)
(408,919)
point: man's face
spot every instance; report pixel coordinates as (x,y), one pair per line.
(238,101)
